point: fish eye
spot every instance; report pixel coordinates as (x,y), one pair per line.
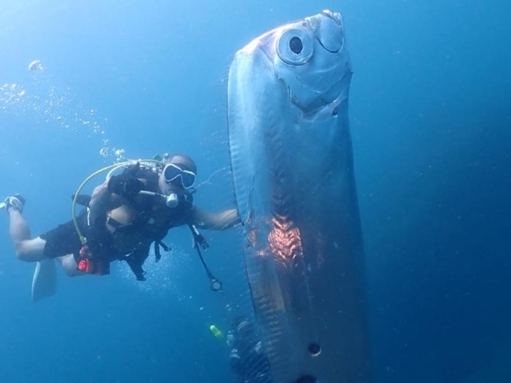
(295,47)
(331,34)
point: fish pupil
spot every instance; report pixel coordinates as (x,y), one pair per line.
(296,45)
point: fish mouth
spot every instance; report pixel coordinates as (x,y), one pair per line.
(325,104)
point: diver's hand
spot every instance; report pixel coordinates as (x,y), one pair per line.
(125,185)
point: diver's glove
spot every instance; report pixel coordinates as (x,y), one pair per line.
(125,185)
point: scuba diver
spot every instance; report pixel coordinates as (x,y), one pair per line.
(123,217)
(247,358)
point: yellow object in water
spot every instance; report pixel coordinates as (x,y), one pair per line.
(216,332)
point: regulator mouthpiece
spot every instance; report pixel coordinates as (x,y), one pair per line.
(172,200)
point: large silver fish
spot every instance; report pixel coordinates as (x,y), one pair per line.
(292,165)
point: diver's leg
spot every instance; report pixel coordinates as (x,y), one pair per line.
(28,250)
(44,281)
(69,265)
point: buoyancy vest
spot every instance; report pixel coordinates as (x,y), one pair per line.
(100,241)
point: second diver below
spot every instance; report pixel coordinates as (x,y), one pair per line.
(247,357)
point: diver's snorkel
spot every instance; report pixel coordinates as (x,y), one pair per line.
(171,200)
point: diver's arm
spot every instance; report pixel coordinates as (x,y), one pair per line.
(102,200)
(114,192)
(215,221)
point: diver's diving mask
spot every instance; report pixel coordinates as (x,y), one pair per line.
(173,172)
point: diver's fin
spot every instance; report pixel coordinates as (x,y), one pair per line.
(82,199)
(44,283)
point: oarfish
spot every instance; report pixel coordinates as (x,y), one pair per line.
(294,184)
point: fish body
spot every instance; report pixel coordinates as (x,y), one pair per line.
(294,184)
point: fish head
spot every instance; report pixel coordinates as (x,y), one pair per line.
(309,57)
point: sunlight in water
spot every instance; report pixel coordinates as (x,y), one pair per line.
(49,102)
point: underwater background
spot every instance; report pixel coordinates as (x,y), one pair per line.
(431,126)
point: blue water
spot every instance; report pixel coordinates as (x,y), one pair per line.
(431,126)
